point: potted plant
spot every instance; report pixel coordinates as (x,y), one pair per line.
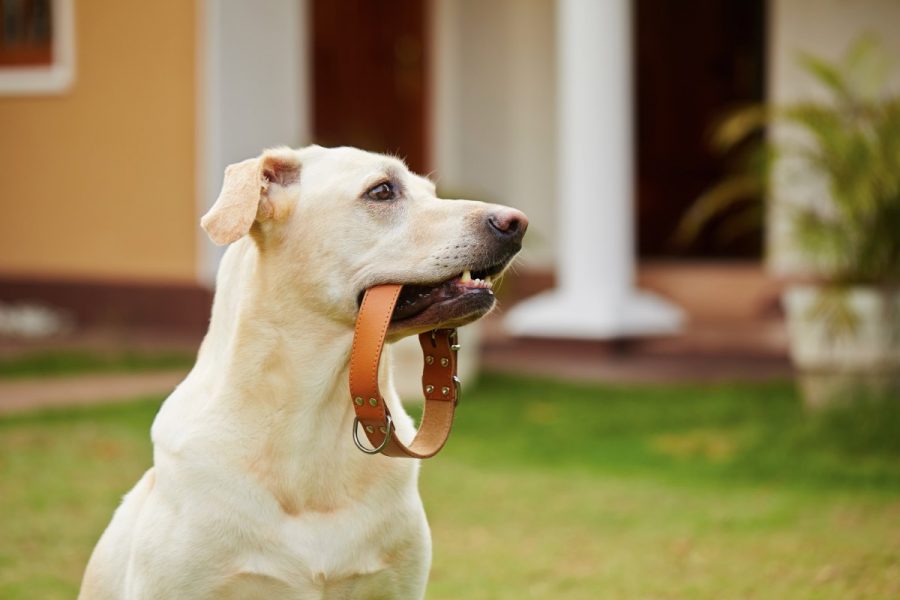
(831,167)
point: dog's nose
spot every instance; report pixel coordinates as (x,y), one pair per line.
(508,225)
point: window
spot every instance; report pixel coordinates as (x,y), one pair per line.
(36,46)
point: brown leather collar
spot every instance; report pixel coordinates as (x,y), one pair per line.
(439,381)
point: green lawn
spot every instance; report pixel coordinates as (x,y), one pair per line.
(53,363)
(550,490)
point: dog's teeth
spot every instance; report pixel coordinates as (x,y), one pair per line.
(466,276)
(489,280)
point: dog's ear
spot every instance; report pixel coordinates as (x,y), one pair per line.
(250,193)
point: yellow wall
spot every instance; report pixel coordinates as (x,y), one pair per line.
(99,181)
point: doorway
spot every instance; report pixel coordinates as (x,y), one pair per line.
(369,62)
(695,59)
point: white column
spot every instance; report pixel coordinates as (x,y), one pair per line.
(595,297)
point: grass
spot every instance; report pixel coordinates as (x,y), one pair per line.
(551,490)
(52,363)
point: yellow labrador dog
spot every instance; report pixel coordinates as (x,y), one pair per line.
(256,488)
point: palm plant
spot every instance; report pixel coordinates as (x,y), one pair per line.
(845,147)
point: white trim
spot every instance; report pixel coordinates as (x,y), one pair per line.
(252,93)
(59,76)
(202,76)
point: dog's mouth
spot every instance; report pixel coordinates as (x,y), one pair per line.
(468,286)
(449,303)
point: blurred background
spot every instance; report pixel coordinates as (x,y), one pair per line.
(700,342)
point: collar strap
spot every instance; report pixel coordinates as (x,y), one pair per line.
(439,381)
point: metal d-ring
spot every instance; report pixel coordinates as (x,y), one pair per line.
(458,385)
(387,436)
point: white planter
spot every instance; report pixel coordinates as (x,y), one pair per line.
(845,362)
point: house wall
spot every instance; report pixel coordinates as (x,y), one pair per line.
(99,182)
(91,179)
(495,74)
(824,28)
(494,109)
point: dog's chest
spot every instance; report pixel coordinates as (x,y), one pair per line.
(311,556)
(333,545)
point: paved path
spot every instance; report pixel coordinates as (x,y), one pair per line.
(602,366)
(19,395)
(706,352)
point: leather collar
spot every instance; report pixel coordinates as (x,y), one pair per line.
(439,381)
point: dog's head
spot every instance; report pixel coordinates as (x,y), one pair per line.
(331,222)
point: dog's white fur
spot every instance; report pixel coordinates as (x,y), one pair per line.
(256,489)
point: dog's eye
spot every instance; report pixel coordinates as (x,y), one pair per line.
(381,192)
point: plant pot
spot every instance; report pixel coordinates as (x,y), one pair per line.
(845,343)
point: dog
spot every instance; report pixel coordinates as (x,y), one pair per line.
(256,488)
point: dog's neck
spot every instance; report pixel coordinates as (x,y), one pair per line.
(271,344)
(275,373)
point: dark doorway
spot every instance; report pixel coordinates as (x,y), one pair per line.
(695,60)
(369,76)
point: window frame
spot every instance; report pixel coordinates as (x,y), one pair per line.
(59,75)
